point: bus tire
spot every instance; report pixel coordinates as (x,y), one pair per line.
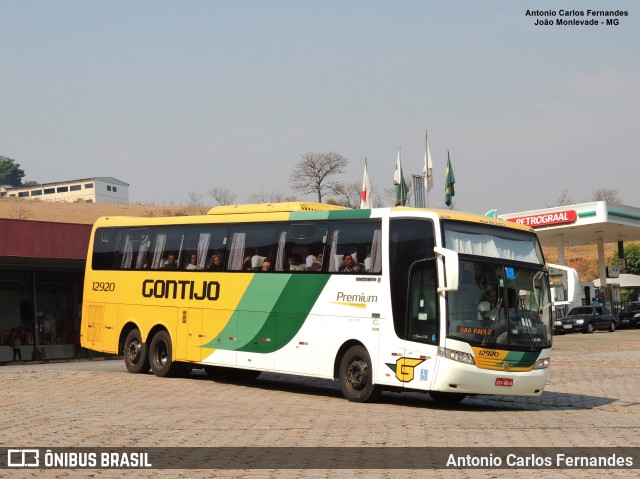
(356,376)
(136,353)
(160,355)
(446,398)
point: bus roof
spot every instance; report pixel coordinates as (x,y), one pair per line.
(300,211)
(272,208)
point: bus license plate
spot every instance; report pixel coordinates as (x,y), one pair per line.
(507,382)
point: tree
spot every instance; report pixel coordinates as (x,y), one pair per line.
(311,174)
(273,197)
(350,194)
(563,200)
(632,257)
(10,172)
(610,195)
(222,196)
(194,202)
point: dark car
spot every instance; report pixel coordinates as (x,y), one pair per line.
(630,315)
(586,319)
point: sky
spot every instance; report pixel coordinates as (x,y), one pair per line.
(179,97)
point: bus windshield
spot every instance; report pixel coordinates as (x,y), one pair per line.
(498,305)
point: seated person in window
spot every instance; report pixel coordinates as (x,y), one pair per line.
(292,264)
(266,265)
(348,265)
(216,263)
(193,262)
(171,263)
(317,263)
(246,264)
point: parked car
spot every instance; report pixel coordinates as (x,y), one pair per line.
(586,319)
(630,315)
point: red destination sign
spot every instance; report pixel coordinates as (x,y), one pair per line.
(547,219)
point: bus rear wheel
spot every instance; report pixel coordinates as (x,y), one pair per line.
(136,356)
(160,356)
(356,376)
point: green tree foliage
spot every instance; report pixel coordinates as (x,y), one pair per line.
(632,255)
(10,172)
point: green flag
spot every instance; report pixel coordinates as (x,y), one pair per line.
(450,183)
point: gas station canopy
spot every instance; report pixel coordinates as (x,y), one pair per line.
(582,224)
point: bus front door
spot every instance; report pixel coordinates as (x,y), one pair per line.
(421,342)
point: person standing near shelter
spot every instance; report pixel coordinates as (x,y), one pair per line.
(16,345)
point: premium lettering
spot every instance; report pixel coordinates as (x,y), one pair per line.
(356,298)
(171,289)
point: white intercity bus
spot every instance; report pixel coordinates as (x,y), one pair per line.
(439,301)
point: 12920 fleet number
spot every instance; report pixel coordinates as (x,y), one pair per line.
(103,286)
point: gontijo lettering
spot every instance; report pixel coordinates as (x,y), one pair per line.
(171,289)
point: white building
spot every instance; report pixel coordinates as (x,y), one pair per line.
(103,190)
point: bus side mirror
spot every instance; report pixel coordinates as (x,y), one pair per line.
(451,269)
(572,283)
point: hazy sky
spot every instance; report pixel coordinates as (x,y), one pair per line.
(175,97)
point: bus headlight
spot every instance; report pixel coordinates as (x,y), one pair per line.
(542,363)
(456,356)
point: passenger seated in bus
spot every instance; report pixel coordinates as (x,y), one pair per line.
(316,264)
(170,263)
(246,264)
(349,265)
(216,263)
(266,265)
(292,264)
(193,262)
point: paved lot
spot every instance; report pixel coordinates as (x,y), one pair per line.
(592,399)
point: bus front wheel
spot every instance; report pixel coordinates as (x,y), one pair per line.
(356,376)
(136,356)
(160,355)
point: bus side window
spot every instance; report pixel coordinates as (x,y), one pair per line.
(253,241)
(205,242)
(359,239)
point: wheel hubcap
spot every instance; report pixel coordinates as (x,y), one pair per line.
(357,374)
(134,351)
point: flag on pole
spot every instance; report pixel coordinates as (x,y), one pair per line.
(401,186)
(365,195)
(427,170)
(449,183)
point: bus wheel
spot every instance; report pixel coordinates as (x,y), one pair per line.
(160,355)
(355,374)
(136,356)
(446,398)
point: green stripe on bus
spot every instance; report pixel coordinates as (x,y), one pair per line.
(330,215)
(521,359)
(285,302)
